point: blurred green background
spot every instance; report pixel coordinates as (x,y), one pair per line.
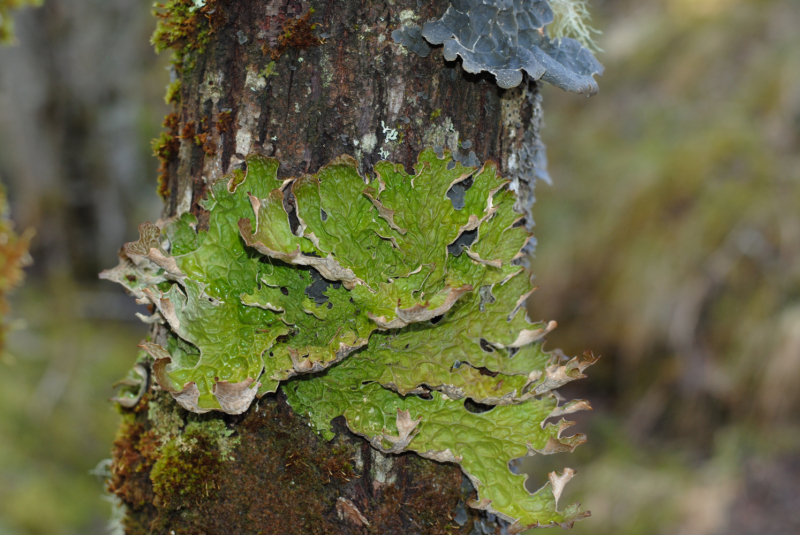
(669,243)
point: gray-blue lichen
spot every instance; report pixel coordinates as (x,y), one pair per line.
(410,36)
(505,38)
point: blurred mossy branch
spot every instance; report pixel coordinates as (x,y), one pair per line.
(6,22)
(13,257)
(670,242)
(705,237)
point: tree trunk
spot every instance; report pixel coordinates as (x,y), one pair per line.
(264,79)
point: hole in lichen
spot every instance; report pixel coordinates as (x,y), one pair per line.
(486,346)
(456,365)
(457,192)
(291,210)
(323,215)
(476,408)
(319,285)
(466,239)
(437,319)
(451,165)
(518,223)
(424,395)
(515,466)
(284,290)
(487,372)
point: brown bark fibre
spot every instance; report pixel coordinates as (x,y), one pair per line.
(305,82)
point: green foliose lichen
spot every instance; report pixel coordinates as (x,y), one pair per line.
(395,301)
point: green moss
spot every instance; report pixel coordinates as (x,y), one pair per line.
(186,466)
(186,27)
(173,95)
(224,120)
(268,71)
(182,451)
(165,419)
(165,148)
(297,33)
(190,483)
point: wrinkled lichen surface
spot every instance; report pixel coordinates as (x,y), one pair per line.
(395,301)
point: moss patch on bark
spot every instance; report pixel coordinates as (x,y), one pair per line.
(247,474)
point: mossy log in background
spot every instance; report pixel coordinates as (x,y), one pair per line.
(303,82)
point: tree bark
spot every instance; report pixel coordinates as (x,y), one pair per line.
(344,87)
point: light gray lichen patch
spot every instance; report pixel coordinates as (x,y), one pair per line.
(441,136)
(211,88)
(369,141)
(389,134)
(255,81)
(507,38)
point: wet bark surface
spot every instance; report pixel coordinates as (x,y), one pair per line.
(271,81)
